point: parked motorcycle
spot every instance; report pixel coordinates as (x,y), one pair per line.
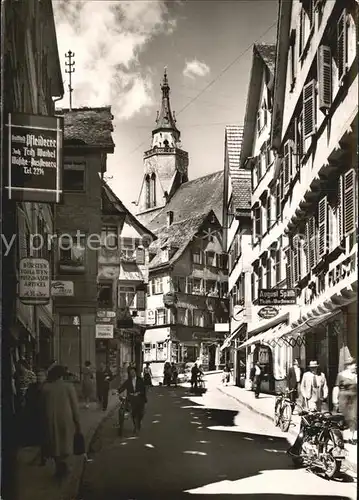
(320,442)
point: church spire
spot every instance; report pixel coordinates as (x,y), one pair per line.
(165,119)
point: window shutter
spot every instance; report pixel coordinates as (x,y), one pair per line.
(309,114)
(141,300)
(339,209)
(322,227)
(311,246)
(287,164)
(289,266)
(298,143)
(325,77)
(342,44)
(301,31)
(140,256)
(349,202)
(296,261)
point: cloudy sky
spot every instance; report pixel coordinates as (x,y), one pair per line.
(121,49)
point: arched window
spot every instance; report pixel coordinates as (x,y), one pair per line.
(148,191)
(153,190)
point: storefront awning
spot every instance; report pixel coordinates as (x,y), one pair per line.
(231,337)
(313,322)
(266,336)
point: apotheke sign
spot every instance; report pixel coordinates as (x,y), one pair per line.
(34,157)
(277,297)
(34,277)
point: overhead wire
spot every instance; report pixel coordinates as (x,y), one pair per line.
(212,82)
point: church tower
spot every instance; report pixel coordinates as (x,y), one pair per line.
(165,164)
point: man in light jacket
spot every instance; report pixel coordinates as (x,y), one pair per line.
(314,387)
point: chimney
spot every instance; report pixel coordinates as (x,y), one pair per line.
(169,218)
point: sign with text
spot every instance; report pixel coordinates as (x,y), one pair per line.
(34,277)
(34,157)
(62,288)
(104,331)
(268,312)
(277,297)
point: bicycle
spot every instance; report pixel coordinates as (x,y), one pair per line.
(283,410)
(122,411)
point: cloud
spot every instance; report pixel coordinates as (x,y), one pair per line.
(195,68)
(107,38)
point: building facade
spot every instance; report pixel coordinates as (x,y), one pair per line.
(31,82)
(304,203)
(78,222)
(237,229)
(122,285)
(187,293)
(316,103)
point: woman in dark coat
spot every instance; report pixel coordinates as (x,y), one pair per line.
(34,422)
(136,394)
(62,418)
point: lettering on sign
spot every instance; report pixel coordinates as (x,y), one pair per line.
(268,312)
(104,331)
(62,288)
(34,151)
(277,297)
(34,277)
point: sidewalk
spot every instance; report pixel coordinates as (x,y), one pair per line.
(37,483)
(264,406)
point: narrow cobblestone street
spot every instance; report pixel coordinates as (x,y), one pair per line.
(207,446)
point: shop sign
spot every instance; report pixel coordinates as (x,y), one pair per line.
(34,157)
(268,312)
(62,288)
(104,331)
(34,281)
(150,317)
(106,314)
(277,297)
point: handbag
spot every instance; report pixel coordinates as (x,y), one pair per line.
(79,444)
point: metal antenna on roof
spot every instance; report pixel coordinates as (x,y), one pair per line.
(70,70)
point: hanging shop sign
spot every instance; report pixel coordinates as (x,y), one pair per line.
(277,297)
(34,281)
(103,313)
(62,288)
(268,312)
(104,331)
(34,157)
(150,317)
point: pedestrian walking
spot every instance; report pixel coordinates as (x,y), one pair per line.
(174,373)
(136,394)
(103,379)
(167,374)
(34,421)
(147,375)
(294,378)
(345,396)
(194,376)
(256,377)
(87,383)
(61,417)
(314,387)
(226,374)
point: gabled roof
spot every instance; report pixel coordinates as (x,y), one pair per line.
(120,208)
(89,126)
(233,138)
(177,236)
(240,178)
(263,59)
(241,189)
(192,199)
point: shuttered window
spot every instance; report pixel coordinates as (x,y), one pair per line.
(296,244)
(325,77)
(301,31)
(278,200)
(298,143)
(289,267)
(287,164)
(140,255)
(322,227)
(257,222)
(342,45)
(311,242)
(309,109)
(349,202)
(339,209)
(140,300)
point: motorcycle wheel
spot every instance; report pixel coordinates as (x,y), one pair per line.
(332,466)
(277,408)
